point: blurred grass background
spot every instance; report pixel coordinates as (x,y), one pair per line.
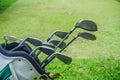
(25,18)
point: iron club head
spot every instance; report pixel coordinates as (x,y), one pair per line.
(56,42)
(62,57)
(59,33)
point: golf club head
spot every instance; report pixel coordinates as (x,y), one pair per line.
(49,45)
(87,35)
(61,34)
(64,58)
(56,42)
(47,50)
(87,25)
(34,41)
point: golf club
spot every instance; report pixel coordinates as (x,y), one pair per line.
(85,35)
(84,24)
(44,49)
(49,45)
(34,41)
(56,42)
(64,58)
(12,39)
(59,33)
(87,25)
(51,53)
(18,40)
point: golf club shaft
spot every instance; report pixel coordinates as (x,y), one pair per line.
(82,34)
(46,61)
(50,36)
(68,43)
(65,37)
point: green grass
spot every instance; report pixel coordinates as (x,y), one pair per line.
(38,18)
(4,4)
(89,69)
(118,0)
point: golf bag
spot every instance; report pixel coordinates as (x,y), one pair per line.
(18,64)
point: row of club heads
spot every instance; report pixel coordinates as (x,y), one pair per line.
(49,47)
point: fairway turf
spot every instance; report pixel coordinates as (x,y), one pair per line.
(4,4)
(39,18)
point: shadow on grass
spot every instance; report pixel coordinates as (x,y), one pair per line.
(4,4)
(118,0)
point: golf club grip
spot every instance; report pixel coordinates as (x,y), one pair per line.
(12,39)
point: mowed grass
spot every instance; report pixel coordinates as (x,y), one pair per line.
(4,4)
(88,69)
(91,59)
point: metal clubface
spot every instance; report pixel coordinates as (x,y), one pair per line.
(59,33)
(87,25)
(47,50)
(34,41)
(64,58)
(87,35)
(56,42)
(84,24)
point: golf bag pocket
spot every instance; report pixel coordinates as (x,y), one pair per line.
(6,69)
